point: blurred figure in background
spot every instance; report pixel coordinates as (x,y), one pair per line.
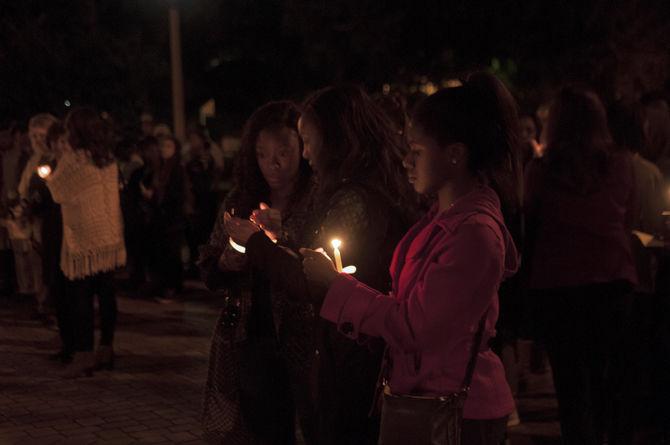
(9,155)
(530,138)
(128,157)
(202,175)
(86,185)
(138,214)
(169,198)
(25,227)
(579,201)
(627,124)
(657,129)
(162,130)
(52,239)
(657,150)
(147,124)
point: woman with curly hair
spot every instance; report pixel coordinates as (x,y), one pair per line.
(261,349)
(361,200)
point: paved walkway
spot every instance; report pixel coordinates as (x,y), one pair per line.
(153,395)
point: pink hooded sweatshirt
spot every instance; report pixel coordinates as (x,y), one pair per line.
(446,272)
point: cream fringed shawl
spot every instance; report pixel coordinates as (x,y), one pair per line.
(92,220)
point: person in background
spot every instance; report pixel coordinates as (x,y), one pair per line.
(147,124)
(202,175)
(255,398)
(362,200)
(52,239)
(161,131)
(138,215)
(9,150)
(627,122)
(530,138)
(128,157)
(86,185)
(25,228)
(579,202)
(169,198)
(657,131)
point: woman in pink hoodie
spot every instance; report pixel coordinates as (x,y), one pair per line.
(447,269)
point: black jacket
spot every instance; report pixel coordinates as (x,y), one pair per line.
(369,227)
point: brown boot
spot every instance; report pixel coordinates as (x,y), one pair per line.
(81,366)
(104,358)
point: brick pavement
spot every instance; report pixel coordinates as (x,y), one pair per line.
(154,394)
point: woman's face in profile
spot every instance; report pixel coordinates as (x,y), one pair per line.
(427,164)
(312,142)
(278,156)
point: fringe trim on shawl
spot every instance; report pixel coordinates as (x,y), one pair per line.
(81,265)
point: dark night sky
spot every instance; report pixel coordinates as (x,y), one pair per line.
(114,53)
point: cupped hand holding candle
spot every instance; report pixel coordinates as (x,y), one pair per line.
(239,230)
(268,219)
(318,267)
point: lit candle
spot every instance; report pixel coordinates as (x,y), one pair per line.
(336,243)
(43,171)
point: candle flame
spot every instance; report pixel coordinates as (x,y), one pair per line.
(336,243)
(43,171)
(349,270)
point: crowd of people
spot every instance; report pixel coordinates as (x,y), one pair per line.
(370,256)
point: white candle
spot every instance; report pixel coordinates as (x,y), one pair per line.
(336,243)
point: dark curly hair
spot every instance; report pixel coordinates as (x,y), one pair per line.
(250,186)
(90,133)
(360,143)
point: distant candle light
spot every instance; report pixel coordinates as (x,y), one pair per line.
(43,171)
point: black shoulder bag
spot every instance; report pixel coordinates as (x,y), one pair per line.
(426,420)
